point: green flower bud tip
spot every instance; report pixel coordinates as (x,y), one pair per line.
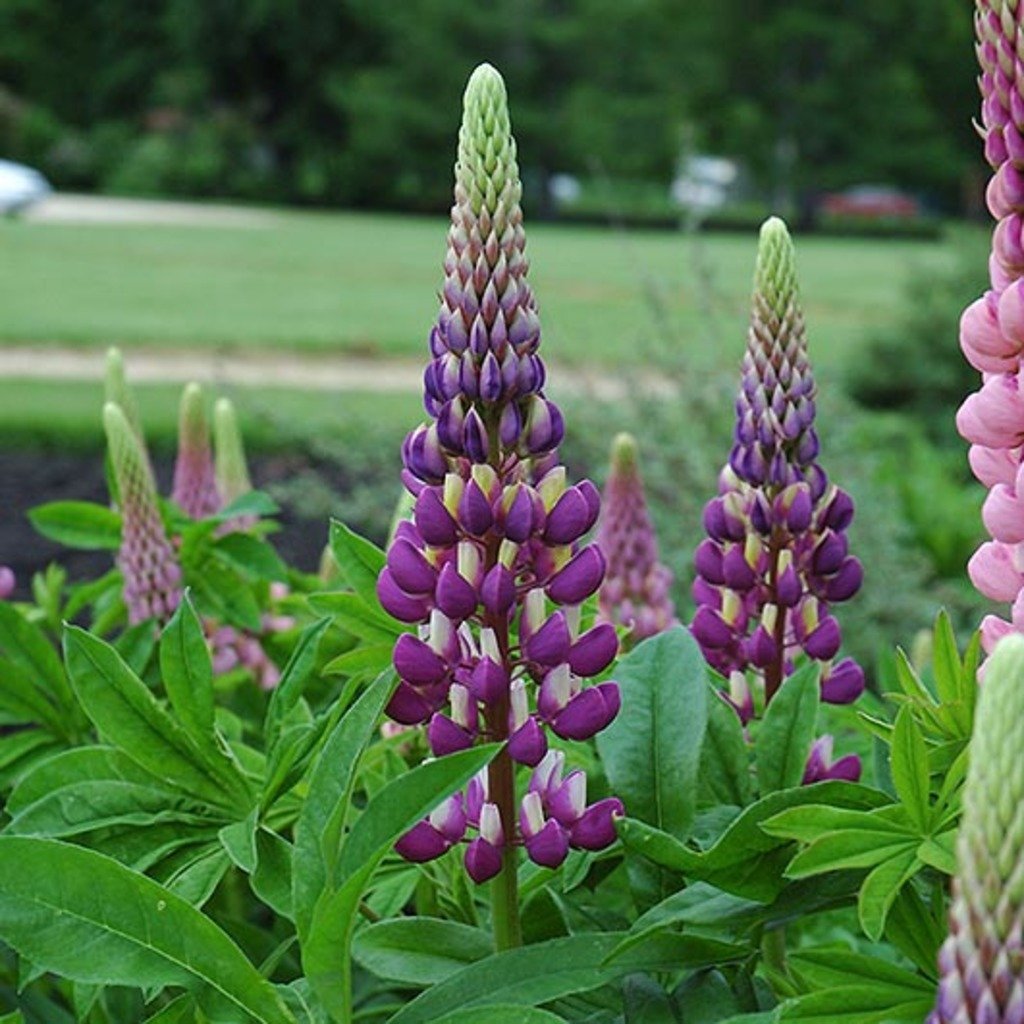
(195,485)
(116,390)
(624,453)
(486,168)
(232,471)
(775,278)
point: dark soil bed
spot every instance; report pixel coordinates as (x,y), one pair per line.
(32,478)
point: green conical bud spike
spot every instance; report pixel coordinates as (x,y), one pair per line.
(486,169)
(775,275)
(624,453)
(231,469)
(147,561)
(195,486)
(116,390)
(982,961)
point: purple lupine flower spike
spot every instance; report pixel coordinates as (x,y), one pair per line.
(7,582)
(492,567)
(635,592)
(776,556)
(981,963)
(195,484)
(152,576)
(992,328)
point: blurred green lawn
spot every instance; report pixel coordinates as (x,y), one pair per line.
(367,284)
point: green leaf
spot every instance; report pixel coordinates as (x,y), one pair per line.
(251,555)
(254,503)
(322,818)
(812,821)
(910,768)
(389,814)
(528,976)
(78,524)
(355,616)
(88,918)
(420,950)
(359,560)
(836,851)
(502,1015)
(272,878)
(371,659)
(783,741)
(946,659)
(294,678)
(239,841)
(27,648)
(855,1004)
(916,930)
(939,852)
(881,887)
(127,715)
(745,860)
(187,673)
(652,751)
(725,757)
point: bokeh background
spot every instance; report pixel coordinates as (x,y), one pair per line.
(252,193)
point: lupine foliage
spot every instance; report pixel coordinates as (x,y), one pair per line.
(177,843)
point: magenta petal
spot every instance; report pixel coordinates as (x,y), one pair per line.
(594,651)
(567,521)
(549,847)
(397,603)
(709,630)
(475,515)
(596,827)
(416,662)
(846,769)
(488,682)
(422,843)
(592,496)
(579,578)
(585,715)
(408,706)
(498,590)
(446,736)
(454,595)
(482,860)
(528,744)
(433,520)
(846,581)
(844,684)
(410,569)
(823,642)
(550,644)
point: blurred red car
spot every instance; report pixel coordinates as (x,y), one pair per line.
(871,202)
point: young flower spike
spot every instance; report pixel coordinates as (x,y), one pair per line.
(992,328)
(635,592)
(492,567)
(231,468)
(116,390)
(152,577)
(775,558)
(981,963)
(195,486)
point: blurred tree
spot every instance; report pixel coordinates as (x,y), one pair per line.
(353,101)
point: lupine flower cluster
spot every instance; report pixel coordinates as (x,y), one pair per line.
(148,563)
(195,483)
(491,568)
(981,963)
(776,555)
(635,592)
(992,328)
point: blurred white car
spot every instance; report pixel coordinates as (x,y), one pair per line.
(20,187)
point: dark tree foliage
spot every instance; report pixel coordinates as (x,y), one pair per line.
(349,101)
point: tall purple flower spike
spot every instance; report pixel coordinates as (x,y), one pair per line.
(775,559)
(152,576)
(195,484)
(992,328)
(491,569)
(635,592)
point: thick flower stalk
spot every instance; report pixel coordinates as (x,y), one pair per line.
(981,963)
(775,559)
(152,576)
(195,484)
(992,328)
(635,592)
(491,569)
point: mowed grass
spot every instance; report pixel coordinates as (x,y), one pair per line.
(367,284)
